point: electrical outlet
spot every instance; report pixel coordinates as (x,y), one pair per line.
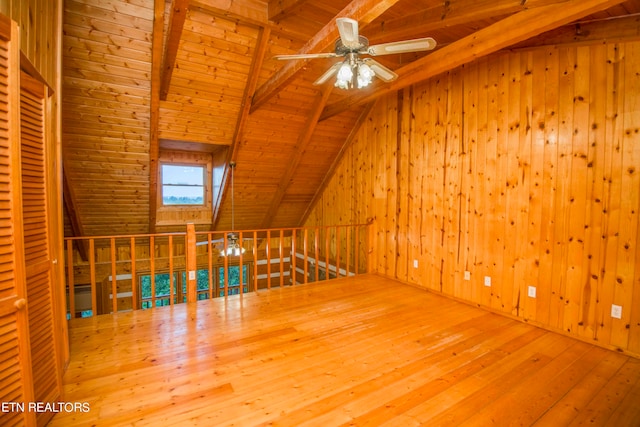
(192,275)
(531,291)
(467,275)
(487,281)
(616,311)
(415,263)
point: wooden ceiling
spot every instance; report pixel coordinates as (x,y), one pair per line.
(201,73)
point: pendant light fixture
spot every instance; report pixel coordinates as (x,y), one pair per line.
(234,248)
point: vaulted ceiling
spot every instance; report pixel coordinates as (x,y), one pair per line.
(199,76)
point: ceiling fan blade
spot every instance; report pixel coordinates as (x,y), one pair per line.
(415,45)
(348,29)
(382,72)
(327,74)
(305,56)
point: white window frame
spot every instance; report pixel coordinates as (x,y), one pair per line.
(202,167)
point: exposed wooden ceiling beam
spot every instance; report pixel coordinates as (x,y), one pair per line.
(260,51)
(449,14)
(278,9)
(364,11)
(615,30)
(154,113)
(292,164)
(174,32)
(245,11)
(511,30)
(262,44)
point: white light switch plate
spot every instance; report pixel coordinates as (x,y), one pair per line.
(467,275)
(616,311)
(531,292)
(487,281)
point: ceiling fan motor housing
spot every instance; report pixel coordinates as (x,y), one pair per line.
(341,49)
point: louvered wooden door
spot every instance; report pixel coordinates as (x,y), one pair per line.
(15,353)
(37,257)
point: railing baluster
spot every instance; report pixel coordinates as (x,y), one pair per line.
(152,267)
(348,255)
(240,275)
(280,249)
(327,236)
(255,261)
(172,283)
(356,250)
(226,266)
(92,276)
(304,245)
(371,246)
(114,274)
(338,246)
(211,287)
(134,282)
(293,258)
(316,254)
(268,250)
(70,279)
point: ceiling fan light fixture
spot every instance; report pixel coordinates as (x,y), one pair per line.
(233,247)
(354,72)
(345,76)
(365,75)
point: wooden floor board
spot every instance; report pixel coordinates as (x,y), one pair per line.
(358,351)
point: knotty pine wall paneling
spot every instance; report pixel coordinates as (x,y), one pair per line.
(39,33)
(627,288)
(521,168)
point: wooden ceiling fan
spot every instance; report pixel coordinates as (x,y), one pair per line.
(354,71)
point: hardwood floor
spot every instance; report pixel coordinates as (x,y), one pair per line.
(358,351)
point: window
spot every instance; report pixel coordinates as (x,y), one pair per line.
(202,284)
(163,285)
(183,185)
(234,279)
(163,290)
(188,183)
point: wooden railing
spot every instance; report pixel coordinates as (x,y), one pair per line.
(108,274)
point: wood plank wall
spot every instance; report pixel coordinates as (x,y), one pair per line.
(39,28)
(523,168)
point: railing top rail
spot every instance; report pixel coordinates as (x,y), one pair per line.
(126,236)
(283,229)
(183,233)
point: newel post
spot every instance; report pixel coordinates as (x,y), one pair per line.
(192,265)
